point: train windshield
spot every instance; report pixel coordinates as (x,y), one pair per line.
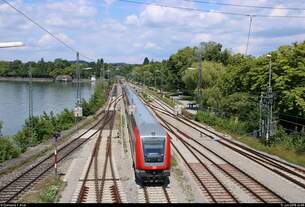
(153,146)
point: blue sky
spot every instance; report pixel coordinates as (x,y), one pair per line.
(124,32)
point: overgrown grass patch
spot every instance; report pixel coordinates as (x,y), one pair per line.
(50,191)
(44,191)
(232,124)
(237,130)
(279,150)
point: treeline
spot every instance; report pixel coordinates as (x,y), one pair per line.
(232,83)
(41,128)
(51,69)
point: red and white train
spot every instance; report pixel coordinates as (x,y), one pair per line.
(149,142)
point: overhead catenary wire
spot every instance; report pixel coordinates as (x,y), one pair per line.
(298,117)
(245,6)
(44,29)
(210,11)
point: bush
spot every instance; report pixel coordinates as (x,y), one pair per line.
(295,140)
(232,124)
(22,139)
(49,193)
(64,120)
(7,149)
(95,102)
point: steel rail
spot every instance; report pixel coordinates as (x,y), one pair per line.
(95,152)
(260,156)
(37,165)
(168,127)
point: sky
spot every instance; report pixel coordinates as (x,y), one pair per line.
(124,32)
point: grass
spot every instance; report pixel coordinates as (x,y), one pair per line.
(279,149)
(25,162)
(50,191)
(45,191)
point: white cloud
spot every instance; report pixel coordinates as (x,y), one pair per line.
(46,39)
(279,11)
(129,33)
(202,38)
(151,45)
(80,8)
(132,19)
(109,2)
(137,45)
(111,25)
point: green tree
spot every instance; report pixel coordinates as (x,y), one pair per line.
(146,61)
(211,51)
(7,149)
(177,64)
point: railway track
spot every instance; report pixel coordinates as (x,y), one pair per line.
(284,169)
(11,191)
(100,184)
(155,194)
(205,173)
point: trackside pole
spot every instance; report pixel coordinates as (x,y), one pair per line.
(56,135)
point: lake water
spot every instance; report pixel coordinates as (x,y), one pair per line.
(14,98)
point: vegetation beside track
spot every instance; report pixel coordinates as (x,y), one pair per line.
(290,147)
(231,89)
(50,191)
(45,125)
(45,191)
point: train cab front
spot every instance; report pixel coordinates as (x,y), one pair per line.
(155,162)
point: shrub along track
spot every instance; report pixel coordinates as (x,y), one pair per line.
(286,170)
(23,182)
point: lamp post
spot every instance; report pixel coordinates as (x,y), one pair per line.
(30,99)
(269,98)
(155,80)
(108,74)
(11,44)
(158,71)
(200,81)
(197,83)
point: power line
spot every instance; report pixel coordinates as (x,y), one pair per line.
(211,11)
(44,29)
(298,117)
(245,6)
(292,122)
(182,8)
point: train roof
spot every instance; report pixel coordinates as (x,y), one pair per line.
(147,124)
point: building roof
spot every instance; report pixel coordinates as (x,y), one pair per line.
(147,124)
(63,77)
